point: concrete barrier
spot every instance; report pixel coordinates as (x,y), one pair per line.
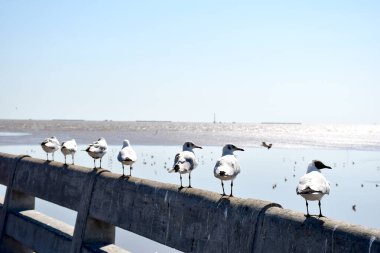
(190,220)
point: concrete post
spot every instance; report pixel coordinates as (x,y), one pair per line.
(9,245)
(87,229)
(14,200)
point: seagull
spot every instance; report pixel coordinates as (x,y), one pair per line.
(185,161)
(227,167)
(264,144)
(50,145)
(97,150)
(69,148)
(127,156)
(313,185)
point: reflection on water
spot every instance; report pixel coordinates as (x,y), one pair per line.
(265,174)
(15,134)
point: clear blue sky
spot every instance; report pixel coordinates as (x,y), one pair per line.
(247,61)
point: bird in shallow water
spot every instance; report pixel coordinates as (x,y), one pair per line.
(97,150)
(127,156)
(227,167)
(266,145)
(69,148)
(313,185)
(185,161)
(50,145)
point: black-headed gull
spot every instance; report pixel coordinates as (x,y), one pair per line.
(50,145)
(313,185)
(227,167)
(127,156)
(185,161)
(69,148)
(97,150)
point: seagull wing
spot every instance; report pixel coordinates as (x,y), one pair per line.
(70,145)
(185,160)
(313,182)
(227,166)
(51,144)
(127,154)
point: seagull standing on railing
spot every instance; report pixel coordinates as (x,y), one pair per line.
(69,148)
(97,150)
(313,185)
(185,161)
(50,145)
(227,167)
(127,156)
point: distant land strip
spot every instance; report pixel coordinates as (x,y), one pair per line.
(281,123)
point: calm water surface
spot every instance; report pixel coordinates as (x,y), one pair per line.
(265,174)
(353,151)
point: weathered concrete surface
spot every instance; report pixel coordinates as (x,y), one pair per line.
(87,229)
(52,181)
(10,245)
(191,220)
(39,232)
(291,231)
(110,248)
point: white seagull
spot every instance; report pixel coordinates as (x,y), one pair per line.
(313,185)
(50,145)
(127,156)
(97,150)
(185,161)
(69,148)
(227,167)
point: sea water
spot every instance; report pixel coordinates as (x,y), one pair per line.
(270,175)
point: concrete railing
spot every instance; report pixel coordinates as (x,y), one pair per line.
(191,220)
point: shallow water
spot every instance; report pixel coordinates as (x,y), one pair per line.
(265,174)
(352,150)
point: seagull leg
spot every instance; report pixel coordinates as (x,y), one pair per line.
(180,178)
(307,209)
(130,170)
(123,169)
(190,181)
(232,184)
(47,157)
(65,160)
(320,212)
(94,164)
(224,194)
(72,158)
(100,163)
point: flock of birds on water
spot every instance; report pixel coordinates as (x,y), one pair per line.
(312,186)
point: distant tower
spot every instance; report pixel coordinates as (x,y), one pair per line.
(214,118)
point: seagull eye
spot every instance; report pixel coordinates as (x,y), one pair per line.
(188,145)
(229,147)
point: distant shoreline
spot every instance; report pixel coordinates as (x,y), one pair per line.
(167,133)
(281,123)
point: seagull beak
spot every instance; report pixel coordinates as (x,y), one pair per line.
(195,146)
(240,149)
(327,167)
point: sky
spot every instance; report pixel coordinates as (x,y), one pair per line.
(246,61)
